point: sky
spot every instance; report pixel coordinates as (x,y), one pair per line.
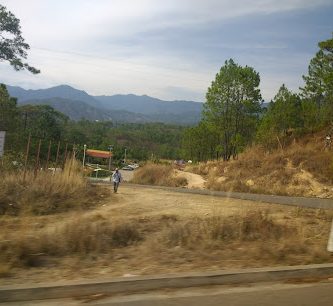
(171,49)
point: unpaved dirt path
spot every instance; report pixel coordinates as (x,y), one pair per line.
(195,181)
(135,201)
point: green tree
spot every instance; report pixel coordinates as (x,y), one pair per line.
(233,105)
(319,80)
(8,110)
(13,48)
(201,142)
(42,121)
(284,113)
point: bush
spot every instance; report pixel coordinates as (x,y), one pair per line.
(156,174)
(47,193)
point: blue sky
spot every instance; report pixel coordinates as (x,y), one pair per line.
(166,49)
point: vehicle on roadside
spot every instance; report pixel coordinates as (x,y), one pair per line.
(134,166)
(129,168)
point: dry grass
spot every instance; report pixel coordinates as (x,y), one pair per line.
(163,243)
(33,246)
(302,169)
(158,174)
(5,270)
(149,231)
(249,226)
(47,193)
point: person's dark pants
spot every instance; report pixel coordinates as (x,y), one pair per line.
(115,186)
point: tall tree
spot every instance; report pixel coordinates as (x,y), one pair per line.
(42,121)
(8,110)
(319,80)
(233,105)
(13,48)
(284,113)
(9,119)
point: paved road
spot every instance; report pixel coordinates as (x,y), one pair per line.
(317,294)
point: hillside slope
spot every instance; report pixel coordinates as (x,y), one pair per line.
(304,168)
(77,110)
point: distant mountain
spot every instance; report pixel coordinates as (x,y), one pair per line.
(73,109)
(78,104)
(77,110)
(148,105)
(61,91)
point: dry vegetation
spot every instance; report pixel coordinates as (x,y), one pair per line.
(303,169)
(158,174)
(45,194)
(120,237)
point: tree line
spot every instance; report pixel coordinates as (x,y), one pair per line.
(234,116)
(42,122)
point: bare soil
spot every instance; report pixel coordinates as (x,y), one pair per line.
(194,181)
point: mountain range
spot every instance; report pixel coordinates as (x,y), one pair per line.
(78,104)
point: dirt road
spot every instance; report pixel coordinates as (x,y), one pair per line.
(136,201)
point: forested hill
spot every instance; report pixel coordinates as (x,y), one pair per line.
(78,104)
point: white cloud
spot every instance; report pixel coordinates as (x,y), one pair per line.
(91,44)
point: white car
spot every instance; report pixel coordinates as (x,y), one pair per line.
(127,168)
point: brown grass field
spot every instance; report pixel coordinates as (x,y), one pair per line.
(143,231)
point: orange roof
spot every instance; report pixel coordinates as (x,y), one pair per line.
(99,153)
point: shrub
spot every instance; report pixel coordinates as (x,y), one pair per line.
(156,174)
(46,193)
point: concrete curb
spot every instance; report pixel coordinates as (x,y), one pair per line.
(143,283)
(266,198)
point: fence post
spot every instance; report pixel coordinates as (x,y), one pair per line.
(65,157)
(48,156)
(37,158)
(57,157)
(26,157)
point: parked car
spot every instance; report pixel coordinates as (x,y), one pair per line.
(134,166)
(128,168)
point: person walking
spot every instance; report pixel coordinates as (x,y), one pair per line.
(116,178)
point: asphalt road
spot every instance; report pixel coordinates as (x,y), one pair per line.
(314,294)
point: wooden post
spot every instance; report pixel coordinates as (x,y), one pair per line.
(65,157)
(48,156)
(37,158)
(57,156)
(74,151)
(71,162)
(26,157)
